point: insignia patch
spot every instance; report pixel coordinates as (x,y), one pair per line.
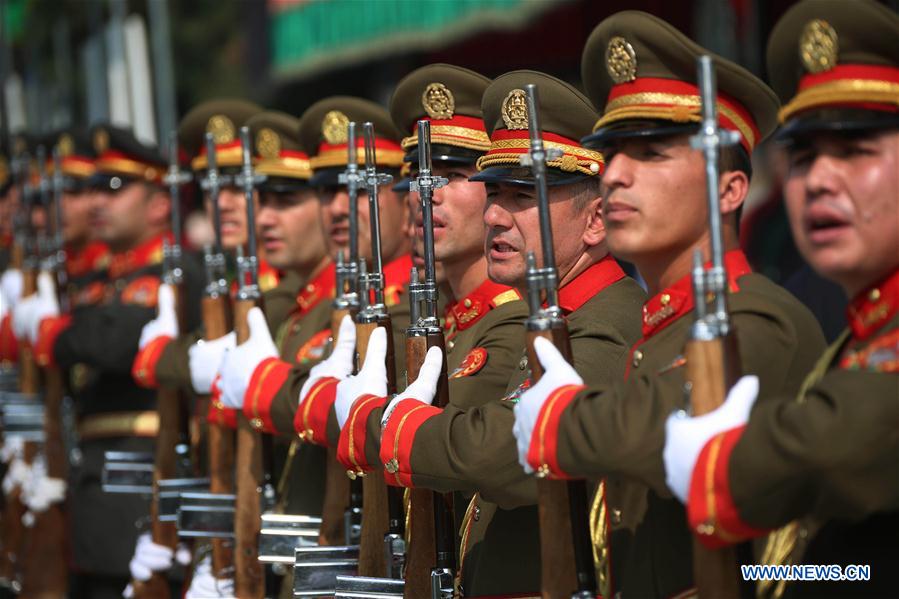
(880,355)
(268,144)
(141,291)
(65,145)
(91,294)
(267,281)
(222,129)
(438,101)
(314,349)
(334,127)
(621,60)
(515,110)
(101,140)
(818,46)
(472,363)
(516,394)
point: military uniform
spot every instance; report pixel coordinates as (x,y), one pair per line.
(113,413)
(638,67)
(827,461)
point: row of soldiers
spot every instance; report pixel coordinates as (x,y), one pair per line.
(517,225)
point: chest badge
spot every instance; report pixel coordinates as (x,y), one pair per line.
(472,363)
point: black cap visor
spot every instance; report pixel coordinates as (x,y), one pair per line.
(519,175)
(837,120)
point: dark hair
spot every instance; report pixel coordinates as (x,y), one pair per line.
(735,158)
(585,191)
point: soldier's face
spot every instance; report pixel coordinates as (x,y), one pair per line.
(120,218)
(458,209)
(9,204)
(76,217)
(394,212)
(513,230)
(289,230)
(654,204)
(842,197)
(233,209)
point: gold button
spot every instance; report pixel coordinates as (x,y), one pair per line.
(616,516)
(467,303)
(351,474)
(310,288)
(392,466)
(257,423)
(542,471)
(477,513)
(705,529)
(523,363)
(638,357)
(874,295)
(665,299)
(450,345)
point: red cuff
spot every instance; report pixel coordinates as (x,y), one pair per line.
(218,413)
(143,369)
(711,510)
(543,449)
(265,382)
(9,345)
(47,332)
(398,437)
(353,435)
(311,420)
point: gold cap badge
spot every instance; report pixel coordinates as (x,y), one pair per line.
(818,46)
(515,110)
(222,129)
(65,145)
(101,140)
(438,101)
(334,127)
(268,144)
(621,60)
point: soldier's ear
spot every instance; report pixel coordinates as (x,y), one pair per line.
(733,186)
(595,229)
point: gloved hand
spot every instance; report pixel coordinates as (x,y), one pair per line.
(29,312)
(204,585)
(557,372)
(11,283)
(205,358)
(340,363)
(239,363)
(423,388)
(685,436)
(149,557)
(166,322)
(371,379)
(40,491)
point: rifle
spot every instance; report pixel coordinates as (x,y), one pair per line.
(382,519)
(342,498)
(45,570)
(174,437)
(713,361)
(253,458)
(565,544)
(431,568)
(217,321)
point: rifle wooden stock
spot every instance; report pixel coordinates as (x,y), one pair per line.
(430,513)
(566,554)
(712,368)
(337,485)
(29,376)
(375,511)
(249,576)
(216,314)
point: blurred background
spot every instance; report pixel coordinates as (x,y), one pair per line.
(144,63)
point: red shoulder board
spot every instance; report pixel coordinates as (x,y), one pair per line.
(879,355)
(141,291)
(314,349)
(472,363)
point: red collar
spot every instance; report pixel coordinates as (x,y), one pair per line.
(470,309)
(579,290)
(396,273)
(90,259)
(875,307)
(149,252)
(320,288)
(268,276)
(674,302)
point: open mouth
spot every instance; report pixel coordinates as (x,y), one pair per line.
(502,250)
(824,223)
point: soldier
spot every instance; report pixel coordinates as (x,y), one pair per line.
(641,72)
(130,214)
(826,461)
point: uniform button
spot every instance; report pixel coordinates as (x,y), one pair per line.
(638,357)
(392,466)
(523,363)
(467,303)
(705,529)
(616,516)
(874,295)
(542,471)
(477,513)
(665,299)
(256,423)
(450,345)
(310,288)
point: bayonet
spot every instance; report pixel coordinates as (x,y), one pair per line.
(214,260)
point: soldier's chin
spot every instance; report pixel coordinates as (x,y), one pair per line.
(506,273)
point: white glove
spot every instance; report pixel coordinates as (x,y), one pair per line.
(557,372)
(13,447)
(166,322)
(205,358)
(149,557)
(18,475)
(204,585)
(341,361)
(32,310)
(372,377)
(41,491)
(685,437)
(239,363)
(11,283)
(5,305)
(423,388)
